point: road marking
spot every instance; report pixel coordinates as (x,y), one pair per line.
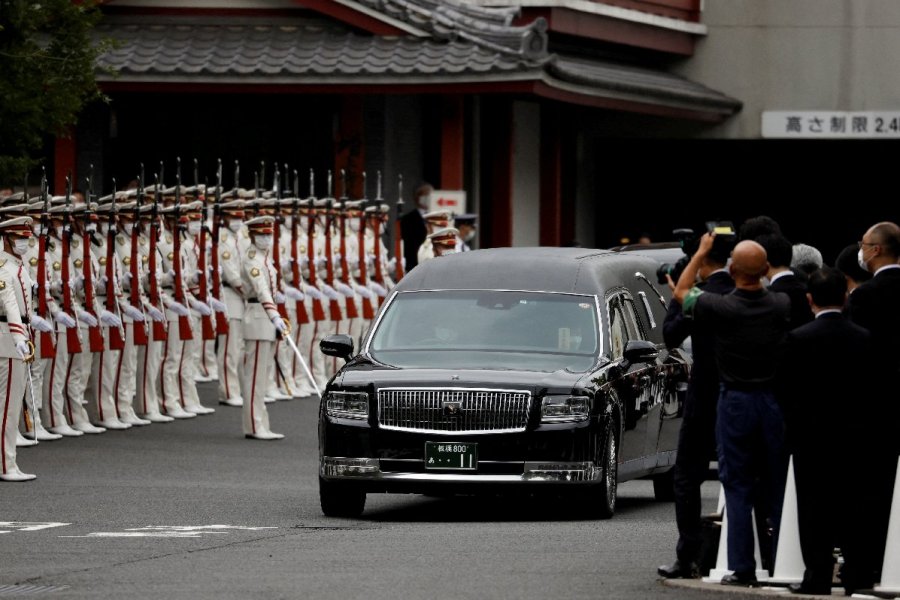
(10,526)
(170,531)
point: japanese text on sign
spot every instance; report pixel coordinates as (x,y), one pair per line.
(830,124)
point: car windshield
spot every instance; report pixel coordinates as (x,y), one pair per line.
(487,329)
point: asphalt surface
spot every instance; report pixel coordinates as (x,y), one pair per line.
(191,509)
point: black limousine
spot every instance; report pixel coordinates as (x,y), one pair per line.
(515,369)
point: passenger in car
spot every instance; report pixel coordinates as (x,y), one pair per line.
(749,325)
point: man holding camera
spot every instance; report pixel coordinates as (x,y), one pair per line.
(748,326)
(696,439)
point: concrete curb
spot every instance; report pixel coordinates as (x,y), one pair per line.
(766,591)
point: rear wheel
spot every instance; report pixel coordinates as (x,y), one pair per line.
(599,500)
(337,499)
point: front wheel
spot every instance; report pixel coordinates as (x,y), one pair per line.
(599,500)
(337,499)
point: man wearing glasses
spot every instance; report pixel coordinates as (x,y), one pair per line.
(875,305)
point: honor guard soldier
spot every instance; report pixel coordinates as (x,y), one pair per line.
(231,343)
(15,346)
(262,325)
(291,240)
(434,221)
(443,241)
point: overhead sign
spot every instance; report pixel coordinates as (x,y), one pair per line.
(825,124)
(452,200)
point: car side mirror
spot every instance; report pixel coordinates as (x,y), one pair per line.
(339,345)
(637,351)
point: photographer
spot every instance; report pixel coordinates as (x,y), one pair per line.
(748,326)
(696,439)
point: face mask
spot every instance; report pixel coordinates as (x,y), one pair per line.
(36,229)
(861,260)
(263,242)
(194,227)
(288,222)
(354,226)
(469,236)
(58,230)
(304,223)
(20,246)
(235,225)
(90,227)
(128,228)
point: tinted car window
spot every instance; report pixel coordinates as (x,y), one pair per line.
(631,323)
(488,329)
(618,334)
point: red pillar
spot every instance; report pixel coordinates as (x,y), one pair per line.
(452,142)
(64,162)
(349,145)
(551,177)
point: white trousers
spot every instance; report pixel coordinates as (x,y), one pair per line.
(78,374)
(258,354)
(126,375)
(53,388)
(101,389)
(149,359)
(171,389)
(228,358)
(189,366)
(12,374)
(208,366)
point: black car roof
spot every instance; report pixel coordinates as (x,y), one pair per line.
(570,270)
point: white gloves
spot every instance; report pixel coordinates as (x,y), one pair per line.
(378,289)
(65,319)
(330,291)
(179,309)
(278,297)
(392,264)
(41,324)
(364,292)
(155,313)
(23,349)
(77,282)
(134,313)
(344,288)
(313,293)
(216,304)
(279,324)
(109,319)
(200,307)
(320,262)
(87,317)
(293,293)
(304,261)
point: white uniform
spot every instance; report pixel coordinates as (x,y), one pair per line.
(148,398)
(231,344)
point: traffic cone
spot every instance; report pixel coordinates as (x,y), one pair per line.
(890,569)
(789,565)
(721,569)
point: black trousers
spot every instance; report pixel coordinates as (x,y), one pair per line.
(821,512)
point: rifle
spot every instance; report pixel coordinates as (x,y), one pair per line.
(318,310)
(276,243)
(138,329)
(398,234)
(376,241)
(184,323)
(48,348)
(116,334)
(73,342)
(368,310)
(302,315)
(352,313)
(221,318)
(159,327)
(95,335)
(333,307)
(207,331)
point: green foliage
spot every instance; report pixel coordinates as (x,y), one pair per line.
(47,61)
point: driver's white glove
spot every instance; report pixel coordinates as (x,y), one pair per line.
(109,319)
(179,309)
(87,317)
(41,324)
(133,313)
(65,319)
(217,305)
(200,307)
(293,293)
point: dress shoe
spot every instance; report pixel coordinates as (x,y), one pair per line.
(158,418)
(679,570)
(114,424)
(24,442)
(265,435)
(180,413)
(44,436)
(201,378)
(17,475)
(813,590)
(65,431)
(88,428)
(236,401)
(740,580)
(199,409)
(280,395)
(135,421)
(269,399)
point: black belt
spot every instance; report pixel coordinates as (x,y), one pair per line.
(253,300)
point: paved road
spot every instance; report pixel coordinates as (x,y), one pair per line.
(135,510)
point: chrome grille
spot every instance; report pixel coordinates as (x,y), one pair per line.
(431,410)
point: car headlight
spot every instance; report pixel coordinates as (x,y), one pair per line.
(347,405)
(565,409)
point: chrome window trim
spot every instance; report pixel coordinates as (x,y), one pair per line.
(643,296)
(394,294)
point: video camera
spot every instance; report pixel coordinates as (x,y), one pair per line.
(723,244)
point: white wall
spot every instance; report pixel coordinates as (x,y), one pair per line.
(526,188)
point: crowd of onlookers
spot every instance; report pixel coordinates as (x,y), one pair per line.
(793,359)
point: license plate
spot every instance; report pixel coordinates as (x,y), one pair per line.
(451,455)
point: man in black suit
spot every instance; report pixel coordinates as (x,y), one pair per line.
(782,279)
(875,305)
(818,380)
(697,436)
(412,226)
